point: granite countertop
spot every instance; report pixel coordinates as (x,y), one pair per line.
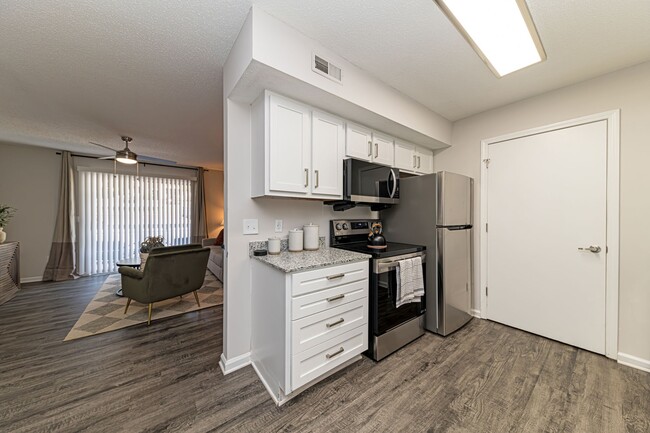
(288,262)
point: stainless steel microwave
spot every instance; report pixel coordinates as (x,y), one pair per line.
(365,182)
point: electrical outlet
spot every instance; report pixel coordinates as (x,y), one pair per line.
(278,226)
(250,227)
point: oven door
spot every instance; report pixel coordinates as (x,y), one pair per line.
(384,316)
(364,182)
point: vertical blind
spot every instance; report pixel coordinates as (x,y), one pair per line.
(117,212)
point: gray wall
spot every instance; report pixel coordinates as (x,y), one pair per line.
(629,90)
(29,181)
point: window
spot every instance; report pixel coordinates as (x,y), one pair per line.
(117,212)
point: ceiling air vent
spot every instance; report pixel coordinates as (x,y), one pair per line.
(325,68)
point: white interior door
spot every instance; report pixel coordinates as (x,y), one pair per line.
(546,199)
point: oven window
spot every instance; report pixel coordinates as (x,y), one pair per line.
(386,317)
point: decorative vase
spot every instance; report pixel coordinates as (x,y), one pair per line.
(3,235)
(143,260)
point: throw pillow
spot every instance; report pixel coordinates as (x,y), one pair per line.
(219,240)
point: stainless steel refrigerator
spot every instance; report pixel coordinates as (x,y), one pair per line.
(436,210)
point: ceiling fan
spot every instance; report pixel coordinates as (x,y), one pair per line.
(127,156)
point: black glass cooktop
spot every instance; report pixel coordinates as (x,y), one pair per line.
(392,249)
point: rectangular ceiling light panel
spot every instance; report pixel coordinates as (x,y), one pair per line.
(502,32)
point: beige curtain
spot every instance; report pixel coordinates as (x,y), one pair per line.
(61,264)
(199,216)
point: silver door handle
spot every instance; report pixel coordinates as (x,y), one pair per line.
(306,177)
(369,149)
(376,150)
(316,173)
(415,161)
(591,249)
(419,162)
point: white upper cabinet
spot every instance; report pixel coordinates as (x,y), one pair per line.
(383,149)
(358,142)
(368,145)
(328,141)
(424,160)
(412,158)
(405,156)
(289,146)
(296,151)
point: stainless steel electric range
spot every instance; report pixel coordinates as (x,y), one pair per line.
(390,327)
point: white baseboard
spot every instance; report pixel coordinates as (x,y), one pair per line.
(266,385)
(31,279)
(634,362)
(234,364)
(476,313)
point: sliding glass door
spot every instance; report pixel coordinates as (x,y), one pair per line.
(117,212)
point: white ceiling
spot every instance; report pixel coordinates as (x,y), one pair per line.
(72,72)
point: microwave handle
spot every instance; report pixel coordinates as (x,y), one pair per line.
(394,189)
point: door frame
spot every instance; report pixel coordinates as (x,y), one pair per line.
(613,219)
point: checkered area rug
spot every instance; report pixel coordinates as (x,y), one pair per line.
(106,311)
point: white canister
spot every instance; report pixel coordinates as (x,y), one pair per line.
(274,246)
(295,240)
(311,237)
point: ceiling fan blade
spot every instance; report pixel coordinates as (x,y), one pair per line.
(107,157)
(101,145)
(144,158)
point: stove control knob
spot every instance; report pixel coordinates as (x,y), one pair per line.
(345,226)
(338,226)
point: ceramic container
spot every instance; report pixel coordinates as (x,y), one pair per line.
(295,240)
(310,241)
(274,246)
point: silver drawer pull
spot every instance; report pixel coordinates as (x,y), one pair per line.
(336,298)
(338,322)
(332,355)
(334,277)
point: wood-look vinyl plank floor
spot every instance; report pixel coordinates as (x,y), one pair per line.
(165,378)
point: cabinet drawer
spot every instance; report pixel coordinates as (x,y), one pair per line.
(312,363)
(311,281)
(318,328)
(322,300)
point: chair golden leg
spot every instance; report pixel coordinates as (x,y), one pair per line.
(196,296)
(149,320)
(128,302)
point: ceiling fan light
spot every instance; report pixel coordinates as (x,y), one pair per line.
(501,32)
(126,157)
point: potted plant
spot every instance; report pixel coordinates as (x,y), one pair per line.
(147,245)
(6,213)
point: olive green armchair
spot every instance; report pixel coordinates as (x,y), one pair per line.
(170,272)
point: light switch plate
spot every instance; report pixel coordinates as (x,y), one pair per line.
(278,226)
(250,227)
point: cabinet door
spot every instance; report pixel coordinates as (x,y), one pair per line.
(424,161)
(405,156)
(358,142)
(289,146)
(383,149)
(328,141)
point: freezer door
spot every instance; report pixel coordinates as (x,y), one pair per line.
(454,279)
(454,199)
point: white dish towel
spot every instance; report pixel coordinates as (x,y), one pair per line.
(410,281)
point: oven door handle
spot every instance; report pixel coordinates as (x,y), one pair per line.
(382,267)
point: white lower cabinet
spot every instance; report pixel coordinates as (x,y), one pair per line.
(306,325)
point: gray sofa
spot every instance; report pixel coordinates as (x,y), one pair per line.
(215,262)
